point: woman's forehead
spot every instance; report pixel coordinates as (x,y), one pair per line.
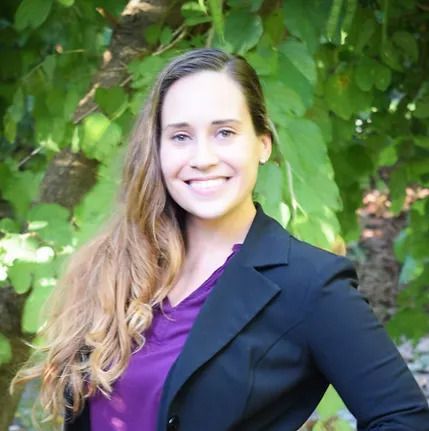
(204,96)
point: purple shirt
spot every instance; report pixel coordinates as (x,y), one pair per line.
(137,393)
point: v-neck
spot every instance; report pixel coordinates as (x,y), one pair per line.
(207,283)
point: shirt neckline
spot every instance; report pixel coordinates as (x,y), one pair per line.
(203,286)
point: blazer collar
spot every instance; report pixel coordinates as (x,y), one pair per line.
(266,243)
(240,293)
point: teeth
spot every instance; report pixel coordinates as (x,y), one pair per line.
(206,184)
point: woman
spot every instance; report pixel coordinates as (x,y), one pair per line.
(194,310)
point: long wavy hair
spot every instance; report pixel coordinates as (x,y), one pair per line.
(104,301)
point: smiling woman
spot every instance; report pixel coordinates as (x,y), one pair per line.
(193,309)
(211,170)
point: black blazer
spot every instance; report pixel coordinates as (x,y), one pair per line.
(284,320)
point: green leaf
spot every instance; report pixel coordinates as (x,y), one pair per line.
(320,115)
(344,97)
(5,350)
(298,55)
(304,22)
(305,139)
(320,228)
(166,35)
(333,23)
(349,16)
(50,221)
(407,43)
(290,76)
(7,225)
(365,34)
(193,9)
(100,137)
(152,33)
(242,30)
(97,204)
(318,192)
(14,115)
(388,156)
(365,75)
(20,275)
(20,189)
(112,101)
(137,100)
(390,56)
(66,3)
(252,5)
(274,27)
(264,59)
(337,95)
(215,8)
(70,103)
(195,13)
(411,270)
(422,141)
(361,101)
(54,105)
(9,125)
(397,186)
(16,110)
(144,70)
(383,77)
(48,66)
(44,283)
(302,145)
(270,182)
(400,245)
(31,316)
(106,147)
(32,13)
(282,101)
(411,322)
(422,109)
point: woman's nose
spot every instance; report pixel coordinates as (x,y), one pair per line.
(204,154)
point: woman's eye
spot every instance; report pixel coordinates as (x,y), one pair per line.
(225,133)
(180,137)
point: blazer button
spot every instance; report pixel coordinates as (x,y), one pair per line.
(173,423)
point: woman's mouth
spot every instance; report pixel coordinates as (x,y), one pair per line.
(207,186)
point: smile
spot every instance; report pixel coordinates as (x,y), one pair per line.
(207,186)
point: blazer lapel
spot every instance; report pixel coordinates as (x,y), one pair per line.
(240,293)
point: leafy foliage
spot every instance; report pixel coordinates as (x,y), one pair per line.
(347,90)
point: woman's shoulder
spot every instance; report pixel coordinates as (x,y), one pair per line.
(312,271)
(314,258)
(271,243)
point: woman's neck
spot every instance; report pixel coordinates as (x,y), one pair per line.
(208,235)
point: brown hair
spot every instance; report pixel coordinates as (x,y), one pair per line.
(103,303)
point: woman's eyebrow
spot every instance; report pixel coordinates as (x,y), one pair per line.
(215,122)
(229,120)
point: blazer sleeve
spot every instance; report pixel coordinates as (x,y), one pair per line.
(354,352)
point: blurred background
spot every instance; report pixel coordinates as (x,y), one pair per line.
(347,88)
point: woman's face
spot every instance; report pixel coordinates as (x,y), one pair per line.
(209,150)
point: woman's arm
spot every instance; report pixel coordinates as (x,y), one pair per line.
(352,349)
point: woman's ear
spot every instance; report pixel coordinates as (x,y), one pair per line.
(266,143)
